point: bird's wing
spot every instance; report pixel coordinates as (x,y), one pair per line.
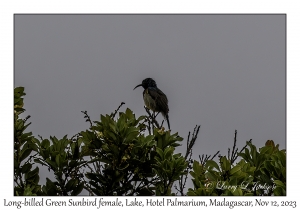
(160,99)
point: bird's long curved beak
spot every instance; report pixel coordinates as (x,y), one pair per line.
(137,86)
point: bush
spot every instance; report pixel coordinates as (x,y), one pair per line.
(129,155)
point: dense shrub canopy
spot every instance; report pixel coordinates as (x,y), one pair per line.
(129,155)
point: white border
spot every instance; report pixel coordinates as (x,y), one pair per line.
(8,8)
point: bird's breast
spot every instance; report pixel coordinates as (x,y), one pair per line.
(149,101)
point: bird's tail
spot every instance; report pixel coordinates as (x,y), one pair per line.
(167,118)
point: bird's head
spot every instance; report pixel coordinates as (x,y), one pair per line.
(148,82)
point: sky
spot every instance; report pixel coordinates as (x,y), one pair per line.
(223,72)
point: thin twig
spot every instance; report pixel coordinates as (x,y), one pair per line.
(228,155)
(233,152)
(76,135)
(88,119)
(188,157)
(31,156)
(114,114)
(191,143)
(187,142)
(203,159)
(149,125)
(250,141)
(152,117)
(181,182)
(215,155)
(26,118)
(161,123)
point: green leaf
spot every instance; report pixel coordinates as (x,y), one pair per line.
(113,127)
(19,91)
(282,157)
(28,191)
(123,166)
(50,188)
(197,168)
(57,160)
(235,169)
(266,150)
(19,109)
(54,139)
(247,154)
(145,192)
(233,181)
(278,191)
(191,193)
(212,177)
(35,141)
(168,151)
(129,114)
(78,189)
(237,192)
(130,135)
(160,152)
(110,134)
(71,184)
(51,163)
(141,118)
(193,174)
(279,184)
(149,138)
(25,153)
(26,136)
(32,173)
(26,168)
(100,160)
(20,125)
(213,164)
(45,143)
(225,164)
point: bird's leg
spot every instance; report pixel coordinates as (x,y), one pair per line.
(162,124)
(156,114)
(153,115)
(153,119)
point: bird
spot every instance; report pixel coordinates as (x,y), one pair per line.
(154,98)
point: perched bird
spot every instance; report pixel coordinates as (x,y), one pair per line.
(154,98)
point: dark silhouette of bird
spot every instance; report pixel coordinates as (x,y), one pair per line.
(154,98)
